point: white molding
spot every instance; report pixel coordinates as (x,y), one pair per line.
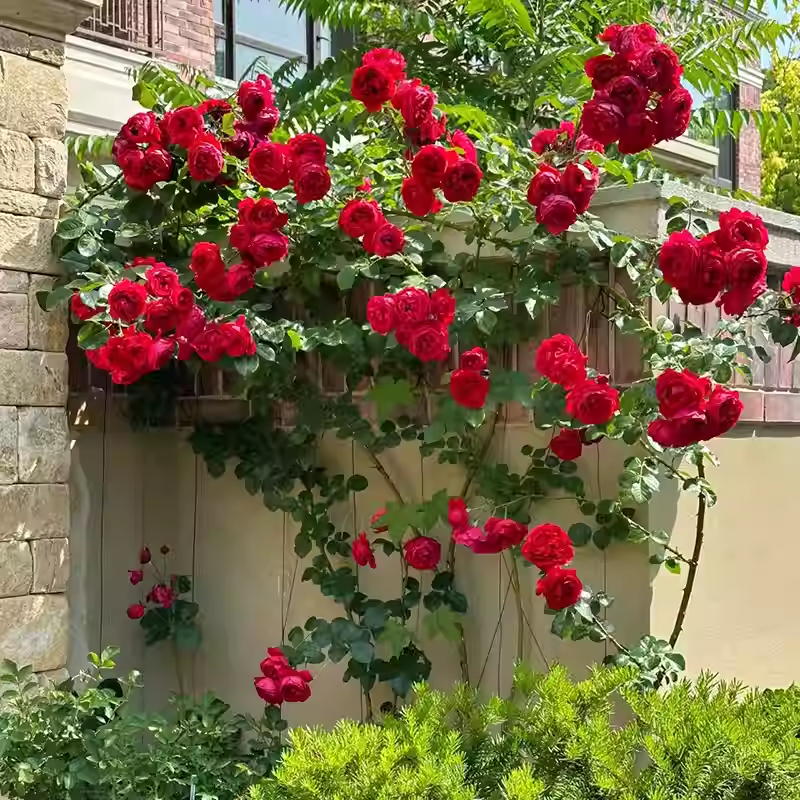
(751,76)
(686,156)
(51,18)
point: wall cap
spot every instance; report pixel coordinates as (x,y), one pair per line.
(53,19)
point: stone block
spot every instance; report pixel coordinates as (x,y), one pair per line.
(33,97)
(34,511)
(25,244)
(28,205)
(16,569)
(31,378)
(48,50)
(43,445)
(13,321)
(34,630)
(17,161)
(50,565)
(13,281)
(12,41)
(47,330)
(51,167)
(8,444)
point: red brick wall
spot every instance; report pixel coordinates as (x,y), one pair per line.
(189,33)
(748,146)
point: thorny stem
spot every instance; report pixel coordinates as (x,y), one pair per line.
(610,636)
(102,190)
(667,547)
(517,587)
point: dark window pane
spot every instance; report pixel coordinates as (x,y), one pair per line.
(245,57)
(220,65)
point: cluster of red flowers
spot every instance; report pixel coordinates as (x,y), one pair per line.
(591,401)
(420,321)
(257,101)
(497,534)
(164,592)
(691,410)
(363,218)
(258,234)
(729,264)
(559,197)
(468,384)
(638,98)
(301,162)
(562,140)
(280,682)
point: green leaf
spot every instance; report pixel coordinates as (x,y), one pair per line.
(357,483)
(346,277)
(362,651)
(50,300)
(395,635)
(390,393)
(187,637)
(92,335)
(246,365)
(443,621)
(580,534)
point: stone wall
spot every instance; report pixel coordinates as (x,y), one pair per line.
(34,436)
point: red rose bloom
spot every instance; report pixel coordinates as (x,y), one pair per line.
(469,388)
(359,217)
(428,342)
(363,554)
(737,228)
(430,164)
(429,131)
(744,267)
(239,236)
(385,240)
(313,182)
(443,306)
(161,353)
(255,96)
(380,314)
(126,301)
(308,148)
(679,259)
(373,86)
(640,132)
(144,556)
(557,213)
(602,120)
(268,689)
(161,280)
(627,92)
(389,61)
(412,305)
(268,248)
(240,341)
(422,553)
(141,128)
(790,285)
(673,112)
(163,595)
(214,108)
(419,199)
(160,316)
(603,69)
(476,359)
(184,125)
(560,360)
(461,140)
(240,279)
(580,182)
(415,102)
(632,39)
(736,301)
(262,215)
(708,279)
(723,412)
(207,260)
(545,182)
(681,393)
(80,309)
(462,181)
(135,576)
(211,343)
(593,402)
(561,588)
(205,159)
(145,169)
(507,531)
(660,67)
(567,445)
(375,521)
(269,165)
(294,687)
(135,611)
(457,513)
(241,145)
(547,546)
(679,432)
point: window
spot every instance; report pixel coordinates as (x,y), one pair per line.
(250,29)
(725,172)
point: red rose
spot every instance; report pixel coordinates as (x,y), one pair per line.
(461,140)
(80,309)
(255,96)
(126,301)
(389,61)
(359,217)
(737,227)
(381,314)
(603,69)
(184,125)
(135,611)
(681,393)
(211,343)
(191,323)
(547,546)
(545,182)
(632,39)
(580,182)
(308,148)
(422,553)
(312,182)
(736,301)
(161,280)
(593,402)
(205,159)
(268,248)
(147,168)
(430,163)
(241,145)
(262,126)
(457,513)
(679,432)
(556,212)
(240,279)
(429,131)
(268,689)
(419,199)
(160,316)
(469,388)
(275,665)
(269,165)
(240,340)
(744,267)
(412,305)
(567,445)
(385,240)
(428,342)
(363,553)
(365,186)
(144,556)
(679,259)
(214,108)
(476,359)
(708,279)
(480,542)
(585,144)
(673,112)
(262,215)
(240,235)
(443,306)
(639,132)
(161,353)
(561,588)
(723,412)
(790,285)
(135,576)
(163,595)
(560,360)
(373,86)
(506,531)
(627,92)
(375,521)
(602,120)
(207,260)
(415,102)
(462,181)
(294,687)
(545,140)
(659,66)
(141,128)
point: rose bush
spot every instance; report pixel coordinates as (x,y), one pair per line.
(228,235)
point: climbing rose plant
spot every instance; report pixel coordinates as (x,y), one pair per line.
(412,257)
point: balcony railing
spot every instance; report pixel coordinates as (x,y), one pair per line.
(131,24)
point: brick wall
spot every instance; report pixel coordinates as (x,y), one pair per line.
(748,149)
(189,33)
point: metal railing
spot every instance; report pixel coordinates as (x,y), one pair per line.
(131,24)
